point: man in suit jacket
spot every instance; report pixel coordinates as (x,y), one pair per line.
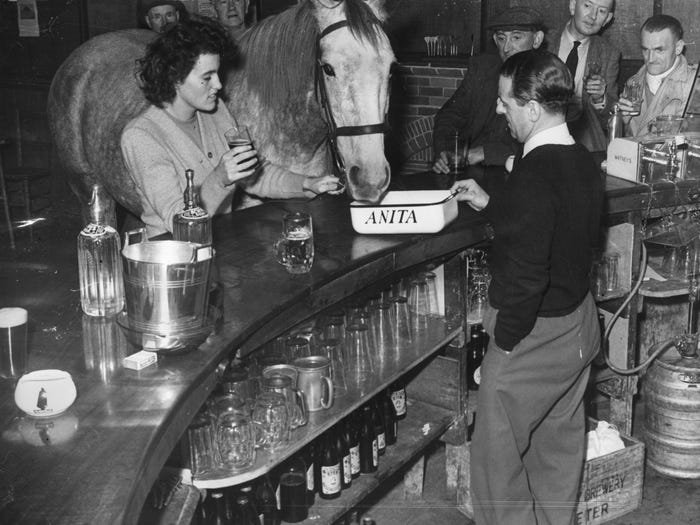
(595,92)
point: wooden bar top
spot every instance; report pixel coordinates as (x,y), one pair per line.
(96,462)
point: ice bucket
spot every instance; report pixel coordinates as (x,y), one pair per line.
(166,284)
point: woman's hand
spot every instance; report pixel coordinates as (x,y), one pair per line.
(238,163)
(471,193)
(324,184)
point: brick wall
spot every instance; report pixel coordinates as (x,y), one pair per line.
(418,92)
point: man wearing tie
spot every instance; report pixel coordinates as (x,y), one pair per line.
(594,63)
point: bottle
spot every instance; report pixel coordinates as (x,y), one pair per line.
(99,262)
(474,356)
(369,456)
(398,396)
(366,520)
(311,487)
(391,425)
(351,432)
(193,223)
(218,513)
(343,451)
(293,507)
(379,427)
(245,513)
(331,470)
(266,502)
(615,124)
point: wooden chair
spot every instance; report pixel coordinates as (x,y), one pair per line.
(416,146)
(19,176)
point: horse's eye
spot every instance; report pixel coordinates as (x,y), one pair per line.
(328,70)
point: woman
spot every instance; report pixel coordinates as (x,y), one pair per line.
(184,128)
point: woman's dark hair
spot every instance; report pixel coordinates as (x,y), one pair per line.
(171,56)
(540,76)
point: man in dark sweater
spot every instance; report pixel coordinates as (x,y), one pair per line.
(472,108)
(529,441)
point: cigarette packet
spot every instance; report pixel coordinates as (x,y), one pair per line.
(140,360)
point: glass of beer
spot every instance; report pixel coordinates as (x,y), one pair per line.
(295,249)
(238,136)
(13,342)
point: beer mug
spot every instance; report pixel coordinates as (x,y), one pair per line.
(296,403)
(235,438)
(271,421)
(295,249)
(315,381)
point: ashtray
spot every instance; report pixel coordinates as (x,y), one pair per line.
(414,211)
(173,342)
(45,393)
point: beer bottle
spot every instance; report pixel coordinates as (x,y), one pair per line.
(331,471)
(369,457)
(308,456)
(217,510)
(398,396)
(245,511)
(343,451)
(351,432)
(390,423)
(293,508)
(379,427)
(266,502)
(474,355)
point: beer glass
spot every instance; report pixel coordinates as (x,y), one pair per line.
(202,451)
(295,249)
(333,350)
(458,153)
(359,365)
(235,439)
(296,403)
(238,136)
(298,347)
(419,305)
(400,322)
(13,342)
(633,93)
(271,421)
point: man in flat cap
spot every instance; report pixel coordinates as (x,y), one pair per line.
(594,63)
(472,108)
(233,15)
(158,14)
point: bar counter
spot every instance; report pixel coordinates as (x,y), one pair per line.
(96,462)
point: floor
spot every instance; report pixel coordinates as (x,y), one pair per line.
(40,274)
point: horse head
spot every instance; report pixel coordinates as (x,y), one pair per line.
(316,79)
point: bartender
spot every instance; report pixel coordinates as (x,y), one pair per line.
(528,446)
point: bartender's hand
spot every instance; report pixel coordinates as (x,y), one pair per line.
(595,87)
(471,193)
(324,184)
(238,163)
(441,165)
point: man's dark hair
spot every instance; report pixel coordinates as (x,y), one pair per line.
(657,23)
(541,76)
(171,56)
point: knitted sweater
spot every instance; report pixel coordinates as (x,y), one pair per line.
(157,153)
(546,221)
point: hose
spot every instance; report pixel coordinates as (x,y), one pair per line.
(655,350)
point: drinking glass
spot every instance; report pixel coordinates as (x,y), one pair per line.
(401,333)
(383,335)
(333,350)
(13,342)
(419,305)
(359,365)
(611,271)
(593,69)
(295,249)
(458,152)
(202,451)
(271,421)
(434,307)
(335,329)
(296,403)
(235,439)
(633,93)
(229,404)
(238,136)
(298,347)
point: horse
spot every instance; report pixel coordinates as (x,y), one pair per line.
(312,85)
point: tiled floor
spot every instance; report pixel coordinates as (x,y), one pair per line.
(34,275)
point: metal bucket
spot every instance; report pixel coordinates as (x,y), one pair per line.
(166,284)
(671,391)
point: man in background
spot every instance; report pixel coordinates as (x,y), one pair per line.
(665,79)
(472,108)
(232,15)
(159,14)
(594,63)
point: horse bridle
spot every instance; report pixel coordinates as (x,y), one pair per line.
(322,96)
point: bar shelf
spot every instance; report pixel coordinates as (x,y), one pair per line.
(435,337)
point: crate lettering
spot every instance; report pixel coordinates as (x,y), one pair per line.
(592,513)
(405,216)
(606,486)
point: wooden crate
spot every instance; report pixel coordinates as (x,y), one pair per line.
(611,485)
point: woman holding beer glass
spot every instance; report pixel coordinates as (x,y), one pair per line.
(184,129)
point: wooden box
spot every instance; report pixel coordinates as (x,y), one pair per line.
(611,485)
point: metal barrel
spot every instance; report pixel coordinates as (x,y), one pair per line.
(166,285)
(671,393)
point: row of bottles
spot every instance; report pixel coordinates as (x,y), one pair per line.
(324,468)
(99,249)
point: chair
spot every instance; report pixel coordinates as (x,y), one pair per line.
(19,177)
(416,145)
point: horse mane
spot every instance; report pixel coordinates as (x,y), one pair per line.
(280,51)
